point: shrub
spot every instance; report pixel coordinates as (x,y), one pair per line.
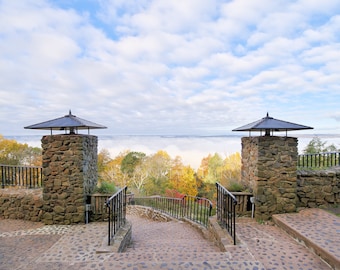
(235,187)
(106,188)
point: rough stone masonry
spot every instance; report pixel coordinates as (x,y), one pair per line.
(269,170)
(69,176)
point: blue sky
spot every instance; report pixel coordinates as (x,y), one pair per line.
(170,67)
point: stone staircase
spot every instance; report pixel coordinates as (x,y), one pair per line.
(175,245)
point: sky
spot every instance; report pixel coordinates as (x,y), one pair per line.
(151,67)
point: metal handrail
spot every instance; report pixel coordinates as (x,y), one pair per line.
(226,210)
(319,160)
(193,208)
(20,176)
(116,205)
(197,209)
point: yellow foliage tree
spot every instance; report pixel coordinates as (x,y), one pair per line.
(202,171)
(113,172)
(182,178)
(103,160)
(14,153)
(231,172)
(188,182)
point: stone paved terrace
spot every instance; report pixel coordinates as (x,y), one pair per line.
(155,245)
(317,229)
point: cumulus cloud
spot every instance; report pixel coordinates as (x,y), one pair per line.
(169,67)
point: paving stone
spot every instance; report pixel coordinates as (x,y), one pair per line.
(318,229)
(155,245)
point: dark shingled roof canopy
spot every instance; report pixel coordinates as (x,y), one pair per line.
(270,124)
(68,122)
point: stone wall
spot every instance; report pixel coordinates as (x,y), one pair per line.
(269,170)
(69,176)
(26,204)
(318,188)
(249,169)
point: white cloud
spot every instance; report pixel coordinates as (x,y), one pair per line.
(166,66)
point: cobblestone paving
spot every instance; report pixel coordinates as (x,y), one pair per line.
(319,229)
(275,249)
(155,245)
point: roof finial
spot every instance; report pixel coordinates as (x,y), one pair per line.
(69,112)
(267,114)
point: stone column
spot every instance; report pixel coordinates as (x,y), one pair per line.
(69,176)
(269,170)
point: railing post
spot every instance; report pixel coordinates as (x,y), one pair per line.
(24,176)
(2,176)
(108,205)
(319,160)
(226,210)
(116,205)
(193,208)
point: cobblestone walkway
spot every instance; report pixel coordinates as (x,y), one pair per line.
(155,245)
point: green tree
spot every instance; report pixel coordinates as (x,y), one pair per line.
(215,168)
(133,164)
(318,146)
(158,167)
(112,172)
(131,161)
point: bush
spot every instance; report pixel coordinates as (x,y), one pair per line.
(235,187)
(106,188)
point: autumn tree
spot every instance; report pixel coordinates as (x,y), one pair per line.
(182,178)
(202,171)
(175,173)
(231,172)
(158,167)
(14,153)
(215,168)
(112,171)
(188,181)
(134,166)
(158,173)
(103,159)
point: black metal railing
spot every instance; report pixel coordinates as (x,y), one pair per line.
(193,208)
(20,176)
(319,160)
(116,205)
(225,210)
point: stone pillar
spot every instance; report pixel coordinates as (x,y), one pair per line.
(269,170)
(69,176)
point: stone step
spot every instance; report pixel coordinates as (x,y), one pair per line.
(174,240)
(197,265)
(170,256)
(192,246)
(163,250)
(317,229)
(175,258)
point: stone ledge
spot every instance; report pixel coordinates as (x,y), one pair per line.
(120,241)
(219,235)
